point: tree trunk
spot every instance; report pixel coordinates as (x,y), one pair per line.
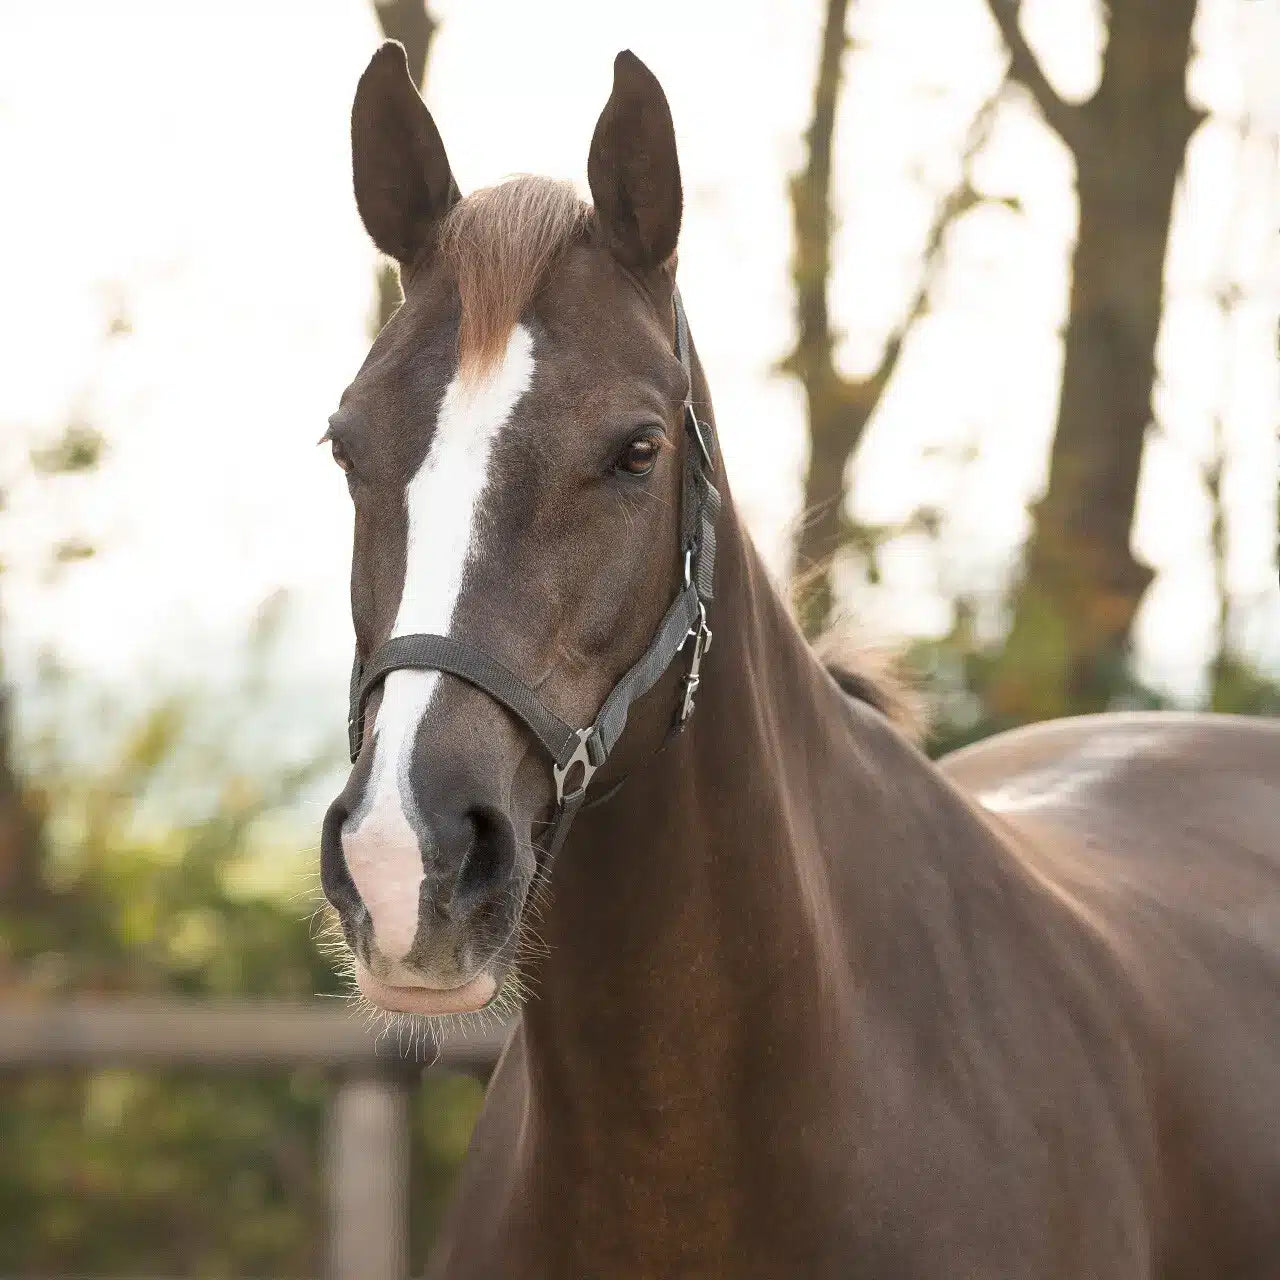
(839,409)
(838,420)
(833,431)
(1081,584)
(410,22)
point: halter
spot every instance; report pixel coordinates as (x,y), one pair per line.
(576,754)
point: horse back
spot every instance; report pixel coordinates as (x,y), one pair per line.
(1163,834)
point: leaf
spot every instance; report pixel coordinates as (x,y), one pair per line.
(80,448)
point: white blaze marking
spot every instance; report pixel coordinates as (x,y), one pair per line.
(442,504)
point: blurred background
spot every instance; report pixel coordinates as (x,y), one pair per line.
(988,297)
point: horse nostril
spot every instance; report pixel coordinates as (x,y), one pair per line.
(335,876)
(490,854)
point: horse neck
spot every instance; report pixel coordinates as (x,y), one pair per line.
(690,926)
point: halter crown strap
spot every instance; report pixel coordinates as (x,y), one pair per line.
(576,754)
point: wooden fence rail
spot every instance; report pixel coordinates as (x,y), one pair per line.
(367,1129)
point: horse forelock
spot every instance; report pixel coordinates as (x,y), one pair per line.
(502,242)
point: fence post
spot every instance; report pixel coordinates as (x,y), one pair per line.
(368,1174)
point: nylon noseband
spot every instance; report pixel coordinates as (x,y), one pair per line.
(576,754)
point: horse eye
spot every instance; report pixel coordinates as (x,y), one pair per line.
(638,457)
(341,456)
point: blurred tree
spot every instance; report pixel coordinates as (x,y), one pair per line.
(410,22)
(113,1172)
(79,448)
(157,870)
(839,408)
(1235,684)
(19,826)
(1073,606)
(1081,585)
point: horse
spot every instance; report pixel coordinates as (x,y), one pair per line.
(792,999)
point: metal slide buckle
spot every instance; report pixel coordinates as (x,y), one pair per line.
(701,636)
(580,756)
(696,429)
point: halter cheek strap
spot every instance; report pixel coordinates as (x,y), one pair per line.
(576,754)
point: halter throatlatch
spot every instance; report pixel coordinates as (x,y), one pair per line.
(576,754)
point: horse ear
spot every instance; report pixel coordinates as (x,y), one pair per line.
(633,169)
(401,174)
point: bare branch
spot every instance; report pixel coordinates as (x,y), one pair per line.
(949,210)
(1024,68)
(839,408)
(811,207)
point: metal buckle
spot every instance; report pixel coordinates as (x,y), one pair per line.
(355,735)
(695,429)
(701,636)
(580,756)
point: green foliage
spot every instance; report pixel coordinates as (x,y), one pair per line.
(1240,689)
(71,550)
(79,448)
(121,1173)
(445,1112)
(958,674)
(179,1173)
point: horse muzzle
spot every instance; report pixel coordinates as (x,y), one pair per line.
(428,884)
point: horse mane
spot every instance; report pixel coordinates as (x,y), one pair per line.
(502,243)
(876,675)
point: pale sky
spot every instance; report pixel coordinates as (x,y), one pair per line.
(190,162)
